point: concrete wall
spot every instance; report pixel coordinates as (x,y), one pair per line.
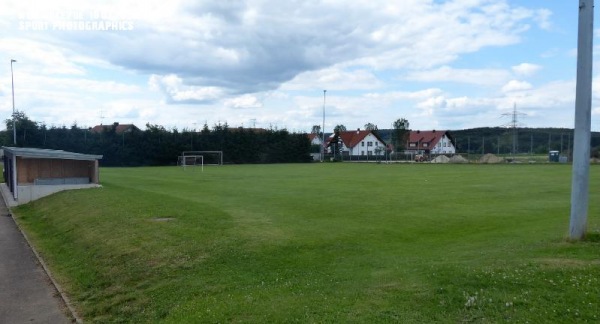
(27,193)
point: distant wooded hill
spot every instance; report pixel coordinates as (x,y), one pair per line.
(499,140)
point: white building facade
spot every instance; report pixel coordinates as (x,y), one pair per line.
(444,146)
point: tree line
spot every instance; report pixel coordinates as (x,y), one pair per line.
(157,145)
(498,140)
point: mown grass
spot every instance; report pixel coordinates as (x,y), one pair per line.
(335,242)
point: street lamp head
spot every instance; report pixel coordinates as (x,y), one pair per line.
(13,60)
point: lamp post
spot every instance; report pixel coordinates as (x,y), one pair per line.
(13,101)
(323,129)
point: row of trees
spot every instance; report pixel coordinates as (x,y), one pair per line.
(159,146)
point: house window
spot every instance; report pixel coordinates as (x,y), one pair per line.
(413,144)
(425,144)
(369,153)
(362,152)
(362,144)
(376,143)
(445,144)
(369,143)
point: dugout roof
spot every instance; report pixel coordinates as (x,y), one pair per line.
(37,153)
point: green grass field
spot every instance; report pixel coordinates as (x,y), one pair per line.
(333,242)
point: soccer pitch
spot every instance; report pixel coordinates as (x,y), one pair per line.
(332,242)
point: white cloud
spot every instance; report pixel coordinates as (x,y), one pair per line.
(244,101)
(471,76)
(220,45)
(37,57)
(334,78)
(526,69)
(177,92)
(404,95)
(516,85)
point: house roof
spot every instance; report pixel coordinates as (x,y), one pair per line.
(352,138)
(430,137)
(26,152)
(312,136)
(119,128)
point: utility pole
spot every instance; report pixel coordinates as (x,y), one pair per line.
(583,121)
(482,145)
(192,136)
(468,145)
(561,143)
(12,78)
(323,129)
(531,145)
(514,124)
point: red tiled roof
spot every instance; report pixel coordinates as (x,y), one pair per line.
(429,137)
(352,138)
(311,136)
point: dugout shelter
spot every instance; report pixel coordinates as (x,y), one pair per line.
(32,173)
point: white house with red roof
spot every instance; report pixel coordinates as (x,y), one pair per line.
(358,142)
(431,142)
(315,139)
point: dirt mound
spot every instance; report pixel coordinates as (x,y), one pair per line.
(440,159)
(458,159)
(491,158)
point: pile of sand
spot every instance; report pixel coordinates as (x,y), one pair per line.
(440,159)
(491,158)
(458,159)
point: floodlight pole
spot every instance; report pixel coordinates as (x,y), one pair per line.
(12,78)
(323,130)
(583,113)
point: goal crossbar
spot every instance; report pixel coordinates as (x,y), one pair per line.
(218,156)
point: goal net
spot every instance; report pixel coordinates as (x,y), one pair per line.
(191,160)
(208,158)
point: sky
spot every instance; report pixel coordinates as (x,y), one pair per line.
(181,64)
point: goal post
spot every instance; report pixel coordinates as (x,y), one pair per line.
(191,160)
(209,157)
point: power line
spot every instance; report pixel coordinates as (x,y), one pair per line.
(514,123)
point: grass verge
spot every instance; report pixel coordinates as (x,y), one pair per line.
(322,243)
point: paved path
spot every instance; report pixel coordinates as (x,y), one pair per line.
(26,292)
